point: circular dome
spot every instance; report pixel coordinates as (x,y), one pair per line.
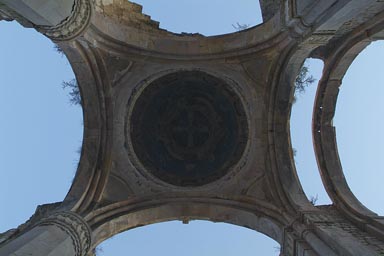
(188,128)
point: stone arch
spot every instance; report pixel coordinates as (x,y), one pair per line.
(324,134)
(301,136)
(113,219)
(93,168)
(152,42)
(198,237)
(358,126)
(281,153)
(179,17)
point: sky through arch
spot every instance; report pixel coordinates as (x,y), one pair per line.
(201,238)
(214,17)
(40,131)
(359,125)
(21,207)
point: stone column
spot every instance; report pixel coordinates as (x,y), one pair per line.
(59,20)
(62,233)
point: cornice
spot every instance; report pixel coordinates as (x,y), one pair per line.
(73,26)
(74,226)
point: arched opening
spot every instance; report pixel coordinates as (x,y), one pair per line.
(196,238)
(41,132)
(204,17)
(301,135)
(359,125)
(123,216)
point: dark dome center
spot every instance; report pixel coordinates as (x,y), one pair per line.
(188,128)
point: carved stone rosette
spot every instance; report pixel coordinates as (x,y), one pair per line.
(73,26)
(74,226)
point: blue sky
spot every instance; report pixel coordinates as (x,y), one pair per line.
(41,132)
(358,129)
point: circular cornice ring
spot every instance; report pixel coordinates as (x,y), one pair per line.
(72,26)
(74,226)
(165,150)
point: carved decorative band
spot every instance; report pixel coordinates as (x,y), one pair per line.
(74,226)
(73,26)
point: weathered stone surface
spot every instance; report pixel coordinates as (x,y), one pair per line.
(62,233)
(182,126)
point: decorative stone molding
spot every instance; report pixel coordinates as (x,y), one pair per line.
(73,26)
(190,126)
(74,226)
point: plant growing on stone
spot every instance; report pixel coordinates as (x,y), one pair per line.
(74,92)
(71,85)
(58,49)
(238,26)
(303,79)
(313,200)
